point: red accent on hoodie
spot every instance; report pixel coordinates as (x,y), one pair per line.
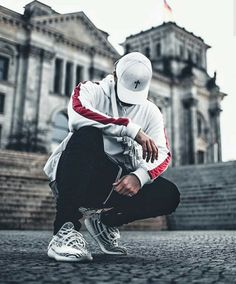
(79,108)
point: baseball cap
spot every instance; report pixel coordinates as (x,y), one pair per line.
(134,73)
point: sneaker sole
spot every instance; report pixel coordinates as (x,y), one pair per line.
(54,255)
(93,235)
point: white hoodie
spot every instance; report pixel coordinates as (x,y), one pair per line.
(95,104)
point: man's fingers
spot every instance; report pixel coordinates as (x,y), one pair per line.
(118,187)
(156,157)
(155,151)
(118,181)
(149,150)
(144,151)
(121,190)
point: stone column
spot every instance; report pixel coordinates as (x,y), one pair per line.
(175,126)
(215,133)
(190,105)
(63,78)
(91,67)
(74,83)
(168,126)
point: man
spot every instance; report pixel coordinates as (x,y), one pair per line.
(112,160)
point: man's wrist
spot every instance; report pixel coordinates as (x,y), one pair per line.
(133,174)
(132,129)
(142,175)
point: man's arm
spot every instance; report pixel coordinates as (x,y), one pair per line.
(82,112)
(148,170)
(154,163)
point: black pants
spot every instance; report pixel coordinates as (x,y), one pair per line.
(84,179)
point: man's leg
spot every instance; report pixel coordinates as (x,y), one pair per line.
(156,199)
(84,176)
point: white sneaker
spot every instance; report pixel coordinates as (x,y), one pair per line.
(68,245)
(106,237)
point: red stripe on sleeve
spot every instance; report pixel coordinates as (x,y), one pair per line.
(162,167)
(87,113)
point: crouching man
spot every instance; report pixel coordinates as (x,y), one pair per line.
(112,160)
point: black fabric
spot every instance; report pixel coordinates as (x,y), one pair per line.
(84,179)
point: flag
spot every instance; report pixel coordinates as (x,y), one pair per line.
(167,6)
(167,12)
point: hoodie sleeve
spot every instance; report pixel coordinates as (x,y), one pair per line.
(82,112)
(147,171)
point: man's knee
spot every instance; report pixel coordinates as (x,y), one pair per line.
(86,142)
(88,137)
(88,133)
(174,197)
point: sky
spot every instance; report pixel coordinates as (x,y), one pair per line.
(214,21)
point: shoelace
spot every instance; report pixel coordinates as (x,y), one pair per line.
(74,239)
(113,233)
(111,236)
(70,237)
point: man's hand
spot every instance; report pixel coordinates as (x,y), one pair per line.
(128,185)
(150,151)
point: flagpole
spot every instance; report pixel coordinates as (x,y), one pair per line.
(167,12)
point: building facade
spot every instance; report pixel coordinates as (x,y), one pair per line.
(44,54)
(188,97)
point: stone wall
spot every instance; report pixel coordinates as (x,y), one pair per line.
(26,201)
(208,197)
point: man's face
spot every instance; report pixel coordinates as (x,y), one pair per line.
(115,79)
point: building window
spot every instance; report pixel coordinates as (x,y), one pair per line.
(60,127)
(57,76)
(68,82)
(201,126)
(190,55)
(200,157)
(198,60)
(2,103)
(147,51)
(181,51)
(4,65)
(158,49)
(79,74)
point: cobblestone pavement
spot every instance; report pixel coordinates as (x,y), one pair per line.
(154,257)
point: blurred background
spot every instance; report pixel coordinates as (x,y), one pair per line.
(46,48)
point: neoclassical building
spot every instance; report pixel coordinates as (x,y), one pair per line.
(44,54)
(188,97)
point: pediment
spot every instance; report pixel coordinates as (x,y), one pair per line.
(78,27)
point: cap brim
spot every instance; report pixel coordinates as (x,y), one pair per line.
(129,97)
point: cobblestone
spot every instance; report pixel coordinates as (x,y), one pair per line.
(177,257)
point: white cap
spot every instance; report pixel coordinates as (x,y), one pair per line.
(134,73)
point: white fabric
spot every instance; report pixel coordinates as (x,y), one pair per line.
(119,142)
(134,73)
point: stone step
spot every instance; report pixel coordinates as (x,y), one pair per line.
(26,192)
(207,198)
(19,186)
(216,191)
(20,180)
(208,216)
(17,203)
(15,214)
(25,197)
(26,223)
